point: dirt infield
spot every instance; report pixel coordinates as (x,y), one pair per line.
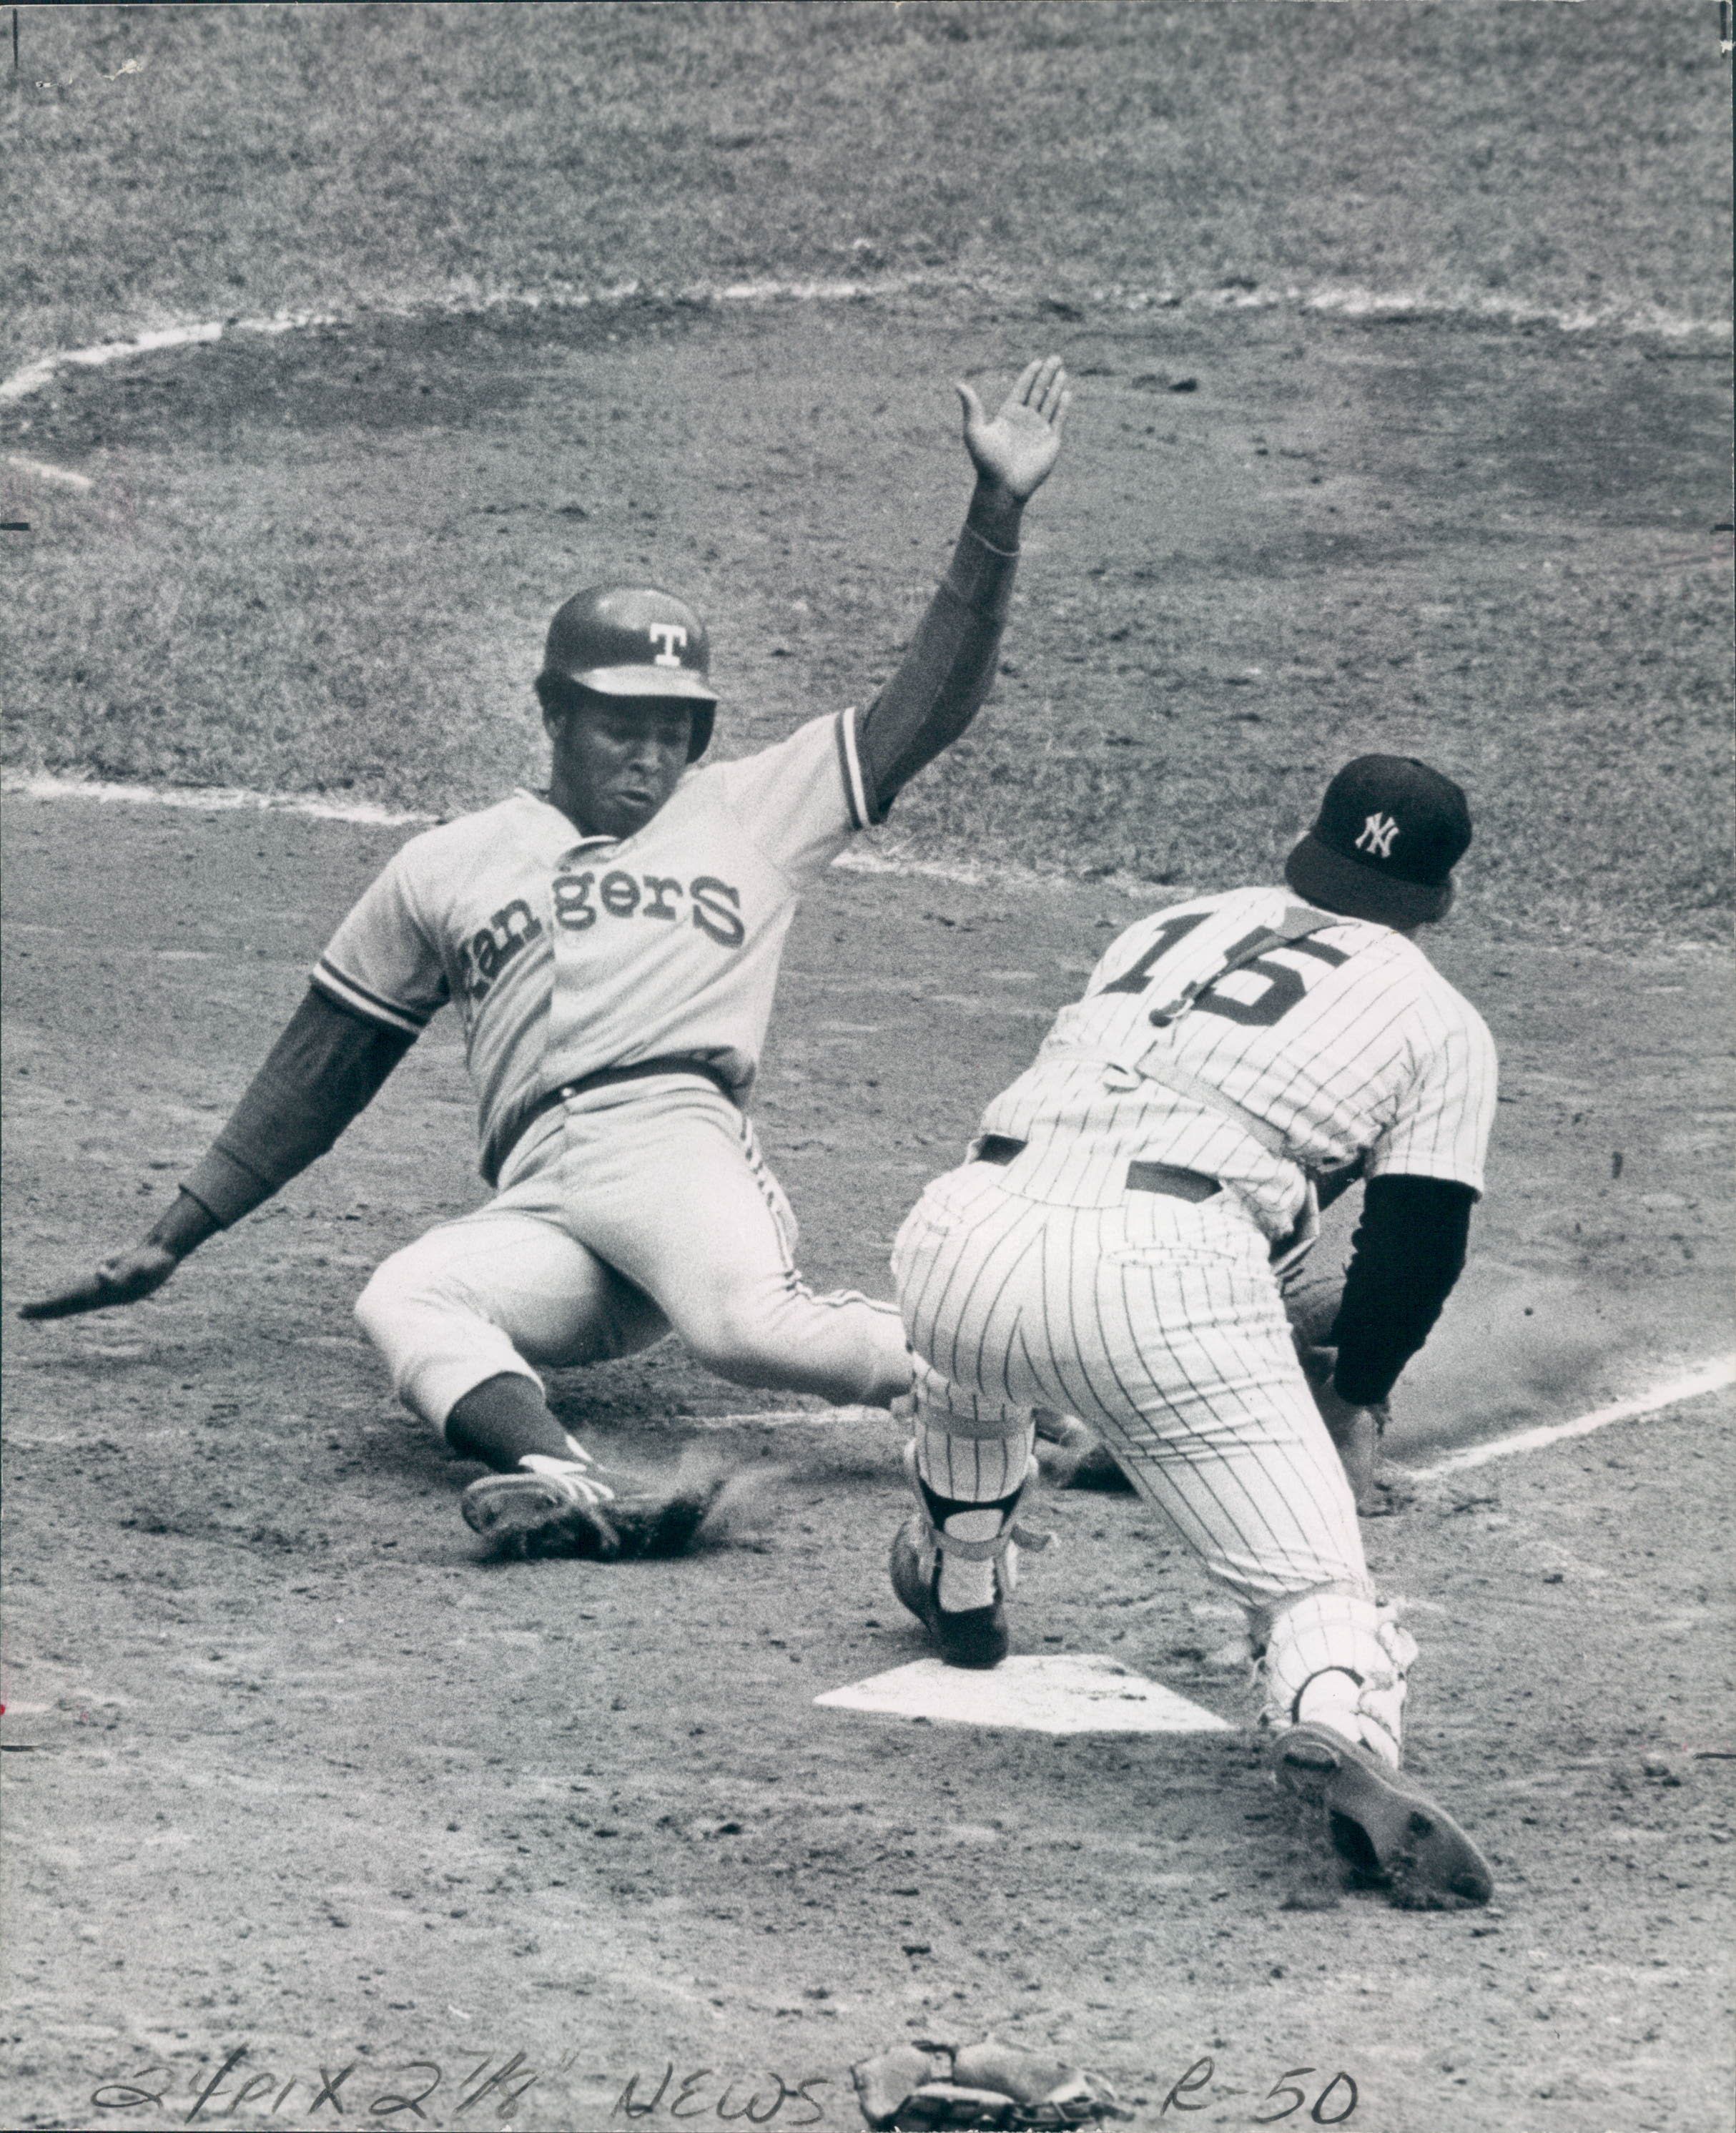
(299,1791)
(1401,341)
(297,1778)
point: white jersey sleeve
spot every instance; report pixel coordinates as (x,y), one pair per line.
(384,962)
(1445,1113)
(801,800)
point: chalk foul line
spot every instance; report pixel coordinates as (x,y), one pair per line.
(1710,1378)
(232,799)
(213,800)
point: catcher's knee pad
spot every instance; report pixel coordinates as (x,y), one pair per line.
(1338,1657)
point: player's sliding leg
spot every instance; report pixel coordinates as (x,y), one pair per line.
(679,1199)
(954,1563)
(460,1316)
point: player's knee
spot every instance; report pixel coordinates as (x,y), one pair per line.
(398,1293)
(378,1304)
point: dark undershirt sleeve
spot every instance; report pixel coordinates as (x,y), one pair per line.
(944,674)
(326,1067)
(1408,1253)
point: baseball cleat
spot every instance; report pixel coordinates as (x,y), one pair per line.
(1380,1823)
(1081,1459)
(1097,1467)
(555,1509)
(971,1637)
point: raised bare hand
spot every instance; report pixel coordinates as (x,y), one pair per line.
(1015,450)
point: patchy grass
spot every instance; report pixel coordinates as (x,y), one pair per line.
(325,562)
(193,162)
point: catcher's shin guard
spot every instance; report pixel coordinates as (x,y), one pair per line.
(1381,1824)
(973,1636)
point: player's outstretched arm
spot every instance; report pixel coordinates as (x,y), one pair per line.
(128,1277)
(324,1068)
(950,662)
(1408,1252)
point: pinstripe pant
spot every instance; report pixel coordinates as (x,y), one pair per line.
(1159,1322)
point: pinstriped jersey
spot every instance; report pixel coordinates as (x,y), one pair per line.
(1347,1044)
(566,954)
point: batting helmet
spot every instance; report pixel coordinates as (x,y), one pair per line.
(633,641)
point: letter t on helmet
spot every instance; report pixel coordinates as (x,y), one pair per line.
(634,641)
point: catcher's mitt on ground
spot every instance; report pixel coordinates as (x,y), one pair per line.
(988,2084)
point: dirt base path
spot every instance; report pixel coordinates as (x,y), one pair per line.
(295,1777)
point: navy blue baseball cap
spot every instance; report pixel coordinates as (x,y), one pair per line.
(1384,845)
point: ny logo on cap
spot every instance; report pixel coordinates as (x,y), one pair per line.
(672,634)
(1376,835)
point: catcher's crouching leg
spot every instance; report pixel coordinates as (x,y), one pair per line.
(954,1562)
(1333,1666)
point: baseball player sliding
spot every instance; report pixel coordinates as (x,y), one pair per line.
(612,946)
(1112,1249)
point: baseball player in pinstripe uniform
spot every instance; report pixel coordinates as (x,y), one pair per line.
(1112,1249)
(612,947)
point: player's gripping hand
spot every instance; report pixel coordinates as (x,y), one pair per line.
(1015,449)
(125,1279)
(1356,1431)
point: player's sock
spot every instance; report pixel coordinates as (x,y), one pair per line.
(972,1484)
(504,1420)
(1338,1658)
(1332,1699)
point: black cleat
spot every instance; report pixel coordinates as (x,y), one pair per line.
(973,1636)
(557,1509)
(1380,1823)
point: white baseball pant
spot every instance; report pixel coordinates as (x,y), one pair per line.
(1158,1322)
(631,1211)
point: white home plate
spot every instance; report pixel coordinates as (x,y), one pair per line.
(1061,1693)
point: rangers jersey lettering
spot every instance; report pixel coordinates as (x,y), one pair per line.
(1347,1043)
(565,954)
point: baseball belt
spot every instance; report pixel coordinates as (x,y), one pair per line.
(495,1155)
(1142,1176)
